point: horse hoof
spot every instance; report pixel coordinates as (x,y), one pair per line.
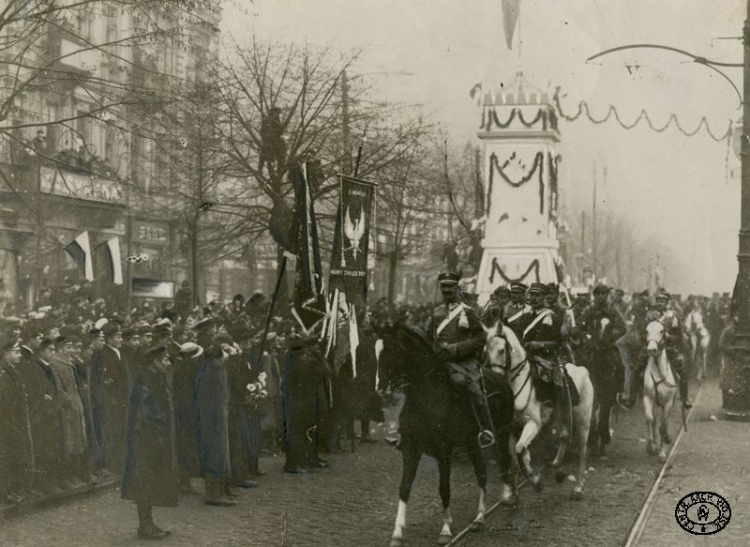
(538,486)
(397,542)
(476,526)
(662,457)
(444,539)
(667,439)
(650,450)
(576,495)
(510,501)
(559,476)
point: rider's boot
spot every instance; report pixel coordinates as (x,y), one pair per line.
(562,411)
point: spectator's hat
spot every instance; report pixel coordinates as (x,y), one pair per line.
(129,332)
(601,289)
(517,286)
(662,295)
(206,322)
(256,298)
(221,338)
(191,350)
(96,332)
(45,344)
(156,352)
(110,329)
(448,279)
(142,328)
(238,298)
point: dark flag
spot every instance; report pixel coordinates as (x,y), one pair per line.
(309,304)
(108,260)
(351,239)
(284,226)
(80,250)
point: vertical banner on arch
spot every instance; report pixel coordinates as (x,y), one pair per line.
(351,240)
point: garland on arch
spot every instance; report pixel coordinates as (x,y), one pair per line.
(495,165)
(490,118)
(533,267)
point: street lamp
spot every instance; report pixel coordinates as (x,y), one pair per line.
(736,384)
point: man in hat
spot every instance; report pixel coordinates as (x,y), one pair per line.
(150,476)
(458,339)
(516,308)
(15,427)
(499,299)
(674,344)
(212,417)
(109,398)
(602,325)
(541,336)
(72,415)
(186,367)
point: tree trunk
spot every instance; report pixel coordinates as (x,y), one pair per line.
(392,271)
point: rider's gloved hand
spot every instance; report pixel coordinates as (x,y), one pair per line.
(443,352)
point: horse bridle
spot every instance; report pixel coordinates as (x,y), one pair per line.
(660,348)
(513,372)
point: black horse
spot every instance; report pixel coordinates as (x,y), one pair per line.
(437,418)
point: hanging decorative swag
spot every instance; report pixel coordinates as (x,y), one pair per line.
(494,165)
(490,119)
(533,267)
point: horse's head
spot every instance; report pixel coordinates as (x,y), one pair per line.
(408,355)
(503,349)
(654,337)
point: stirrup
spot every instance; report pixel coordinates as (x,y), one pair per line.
(485,438)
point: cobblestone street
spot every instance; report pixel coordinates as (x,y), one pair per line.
(354,503)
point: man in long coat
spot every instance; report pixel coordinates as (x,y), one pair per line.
(212,415)
(150,477)
(184,400)
(16,452)
(109,398)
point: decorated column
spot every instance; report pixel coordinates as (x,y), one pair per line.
(519,133)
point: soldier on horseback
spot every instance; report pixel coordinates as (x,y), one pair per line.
(672,322)
(516,308)
(541,336)
(458,338)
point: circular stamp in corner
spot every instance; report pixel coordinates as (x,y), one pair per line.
(703,513)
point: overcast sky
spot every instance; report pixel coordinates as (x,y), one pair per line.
(670,185)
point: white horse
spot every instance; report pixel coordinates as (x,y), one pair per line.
(698,333)
(507,355)
(659,389)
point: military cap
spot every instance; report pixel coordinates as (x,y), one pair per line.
(95,332)
(645,294)
(601,289)
(553,287)
(191,350)
(449,278)
(143,329)
(538,288)
(662,295)
(238,298)
(518,287)
(161,328)
(129,332)
(502,289)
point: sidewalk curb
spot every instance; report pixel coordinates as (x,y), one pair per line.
(59,498)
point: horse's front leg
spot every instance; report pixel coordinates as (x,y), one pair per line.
(648,408)
(410,460)
(444,469)
(664,427)
(480,471)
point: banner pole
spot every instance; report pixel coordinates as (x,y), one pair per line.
(270,310)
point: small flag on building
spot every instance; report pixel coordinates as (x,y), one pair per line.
(80,250)
(108,255)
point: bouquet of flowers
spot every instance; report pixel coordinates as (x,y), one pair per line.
(258,394)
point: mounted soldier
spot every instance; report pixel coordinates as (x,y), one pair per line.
(495,309)
(602,325)
(672,322)
(516,308)
(541,335)
(458,339)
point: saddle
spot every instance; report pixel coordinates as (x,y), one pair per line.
(543,376)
